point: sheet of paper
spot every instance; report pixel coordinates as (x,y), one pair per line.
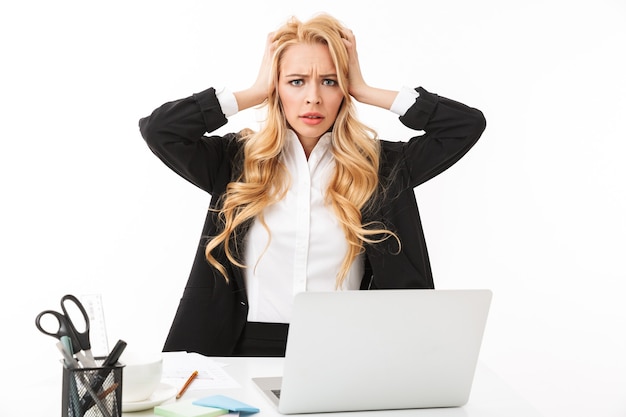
(178,366)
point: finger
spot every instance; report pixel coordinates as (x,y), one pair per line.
(349,35)
(271,42)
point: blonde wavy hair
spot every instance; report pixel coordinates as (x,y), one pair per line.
(264,179)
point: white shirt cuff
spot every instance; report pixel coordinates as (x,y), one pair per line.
(228,102)
(404,100)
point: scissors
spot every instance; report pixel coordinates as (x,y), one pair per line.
(66,330)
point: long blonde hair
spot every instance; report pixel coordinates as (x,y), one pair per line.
(264,179)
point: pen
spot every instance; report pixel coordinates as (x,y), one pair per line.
(103,410)
(73,364)
(66,342)
(65,347)
(101,375)
(68,359)
(189,381)
(115,354)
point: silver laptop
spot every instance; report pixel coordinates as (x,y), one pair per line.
(380,350)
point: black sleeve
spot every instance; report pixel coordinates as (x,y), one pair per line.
(175,132)
(451,129)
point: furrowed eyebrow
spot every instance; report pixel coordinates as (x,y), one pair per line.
(307,76)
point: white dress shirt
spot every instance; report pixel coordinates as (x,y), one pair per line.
(307,245)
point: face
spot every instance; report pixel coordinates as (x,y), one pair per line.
(309,91)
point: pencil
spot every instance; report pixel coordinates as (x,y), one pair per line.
(107,391)
(189,381)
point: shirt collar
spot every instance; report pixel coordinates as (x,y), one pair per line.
(322,146)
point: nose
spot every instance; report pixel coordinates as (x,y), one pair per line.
(313,95)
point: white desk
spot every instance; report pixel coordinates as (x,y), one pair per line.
(491,397)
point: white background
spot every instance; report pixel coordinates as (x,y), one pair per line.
(534,212)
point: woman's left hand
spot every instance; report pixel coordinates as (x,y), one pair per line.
(357,87)
(357,84)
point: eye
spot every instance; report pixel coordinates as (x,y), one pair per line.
(296,83)
(329,82)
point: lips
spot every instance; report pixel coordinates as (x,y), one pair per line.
(312,118)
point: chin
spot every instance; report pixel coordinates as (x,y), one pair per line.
(309,131)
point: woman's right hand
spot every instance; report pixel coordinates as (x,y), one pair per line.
(259,91)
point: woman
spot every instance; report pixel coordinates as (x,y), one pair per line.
(313,201)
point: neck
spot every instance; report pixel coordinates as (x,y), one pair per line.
(308,144)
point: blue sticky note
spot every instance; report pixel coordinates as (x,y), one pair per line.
(226,403)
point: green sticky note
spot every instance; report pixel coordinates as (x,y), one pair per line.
(187,409)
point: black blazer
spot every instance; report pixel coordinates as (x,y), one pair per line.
(212,313)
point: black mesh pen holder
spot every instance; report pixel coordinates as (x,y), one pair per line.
(92,392)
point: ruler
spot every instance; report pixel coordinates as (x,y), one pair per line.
(97,332)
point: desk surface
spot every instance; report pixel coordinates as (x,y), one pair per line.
(490,394)
(490,397)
